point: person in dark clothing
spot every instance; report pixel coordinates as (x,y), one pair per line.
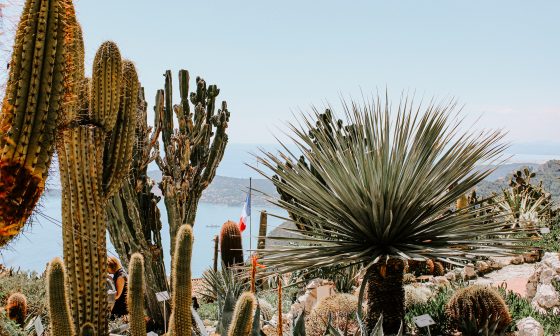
(195,303)
(120,279)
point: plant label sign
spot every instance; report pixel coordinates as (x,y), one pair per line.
(423,321)
(162,296)
(38,324)
(151,333)
(545,230)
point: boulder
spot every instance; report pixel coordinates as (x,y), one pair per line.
(451,276)
(468,272)
(517,260)
(482,267)
(546,296)
(529,327)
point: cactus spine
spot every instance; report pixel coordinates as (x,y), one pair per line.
(181,319)
(262,230)
(243,315)
(16,308)
(478,305)
(135,296)
(231,246)
(59,309)
(193,152)
(30,109)
(94,152)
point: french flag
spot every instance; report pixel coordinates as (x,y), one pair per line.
(246,212)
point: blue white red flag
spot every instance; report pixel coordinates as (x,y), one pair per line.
(245,213)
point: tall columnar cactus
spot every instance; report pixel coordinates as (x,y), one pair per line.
(242,322)
(94,152)
(478,306)
(135,296)
(16,308)
(134,219)
(59,308)
(30,109)
(262,230)
(193,151)
(181,319)
(231,246)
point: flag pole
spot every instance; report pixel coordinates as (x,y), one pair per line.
(250,217)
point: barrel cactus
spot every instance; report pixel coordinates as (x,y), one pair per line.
(231,247)
(35,96)
(478,306)
(16,308)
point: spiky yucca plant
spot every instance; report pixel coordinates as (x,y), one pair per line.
(377,192)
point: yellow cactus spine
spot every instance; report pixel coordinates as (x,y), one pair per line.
(181,319)
(242,322)
(135,296)
(59,309)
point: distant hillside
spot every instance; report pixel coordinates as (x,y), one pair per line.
(232,191)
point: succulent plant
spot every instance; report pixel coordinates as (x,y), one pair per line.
(181,319)
(95,149)
(479,305)
(59,308)
(135,295)
(35,96)
(242,322)
(193,151)
(231,247)
(409,278)
(16,308)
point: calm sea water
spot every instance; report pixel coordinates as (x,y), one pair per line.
(43,240)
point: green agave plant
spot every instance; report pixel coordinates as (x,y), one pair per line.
(379,191)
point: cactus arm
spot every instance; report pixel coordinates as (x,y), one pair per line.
(243,315)
(118,152)
(106,86)
(59,309)
(181,284)
(167,129)
(135,297)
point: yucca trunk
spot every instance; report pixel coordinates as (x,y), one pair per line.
(385,294)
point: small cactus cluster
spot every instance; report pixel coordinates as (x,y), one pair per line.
(478,306)
(231,247)
(16,308)
(35,96)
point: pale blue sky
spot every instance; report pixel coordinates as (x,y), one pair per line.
(499,58)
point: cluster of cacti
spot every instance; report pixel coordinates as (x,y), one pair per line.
(95,149)
(133,216)
(478,306)
(231,247)
(340,309)
(35,96)
(243,315)
(135,295)
(16,308)
(409,278)
(193,151)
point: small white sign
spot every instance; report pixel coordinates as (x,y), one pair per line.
(423,321)
(38,324)
(162,296)
(545,230)
(151,333)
